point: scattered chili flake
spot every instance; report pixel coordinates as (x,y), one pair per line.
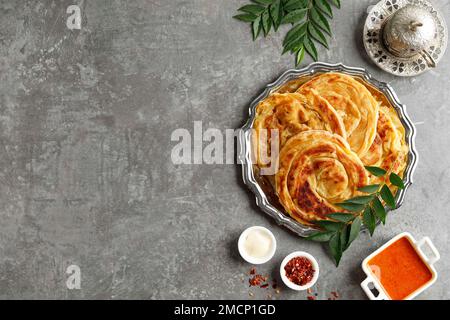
(257,280)
(333,295)
(311,298)
(262,281)
(299,270)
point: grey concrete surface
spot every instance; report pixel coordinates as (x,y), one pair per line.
(86,178)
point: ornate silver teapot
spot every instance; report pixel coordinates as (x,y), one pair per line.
(409,32)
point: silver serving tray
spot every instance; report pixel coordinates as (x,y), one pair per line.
(266,201)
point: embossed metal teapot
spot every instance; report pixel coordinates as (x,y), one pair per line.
(409,32)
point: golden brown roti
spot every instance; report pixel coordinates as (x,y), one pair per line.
(291,113)
(328,130)
(336,84)
(316,170)
(389,150)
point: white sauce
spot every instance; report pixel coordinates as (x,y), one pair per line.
(258,243)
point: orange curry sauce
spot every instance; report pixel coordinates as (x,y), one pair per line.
(400,269)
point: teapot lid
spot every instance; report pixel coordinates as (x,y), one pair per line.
(411,27)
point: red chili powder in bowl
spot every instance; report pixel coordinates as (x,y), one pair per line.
(299,270)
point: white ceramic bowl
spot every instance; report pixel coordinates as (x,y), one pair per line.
(288,282)
(373,281)
(248,257)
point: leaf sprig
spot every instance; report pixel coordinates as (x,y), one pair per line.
(365,210)
(309,20)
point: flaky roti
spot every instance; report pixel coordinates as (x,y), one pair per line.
(389,150)
(316,170)
(332,84)
(328,129)
(289,114)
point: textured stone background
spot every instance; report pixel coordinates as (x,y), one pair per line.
(85,171)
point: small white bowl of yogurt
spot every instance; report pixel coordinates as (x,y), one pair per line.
(257,245)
